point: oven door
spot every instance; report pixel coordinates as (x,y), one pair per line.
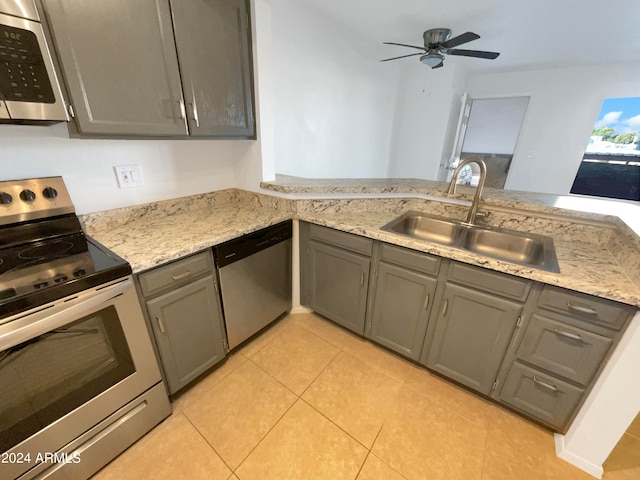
(67,366)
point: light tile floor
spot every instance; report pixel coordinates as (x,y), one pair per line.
(307,400)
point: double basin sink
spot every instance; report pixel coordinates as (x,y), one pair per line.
(513,246)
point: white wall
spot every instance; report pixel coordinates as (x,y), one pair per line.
(560,117)
(425,104)
(494,125)
(334,101)
(171,168)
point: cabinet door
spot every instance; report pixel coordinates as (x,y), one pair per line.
(338,283)
(212,38)
(470,336)
(120,64)
(401,309)
(187,324)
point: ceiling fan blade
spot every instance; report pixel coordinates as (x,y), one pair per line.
(474,53)
(404,45)
(460,39)
(403,56)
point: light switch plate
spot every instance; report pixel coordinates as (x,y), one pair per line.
(129,176)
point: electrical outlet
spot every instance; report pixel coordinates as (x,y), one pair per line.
(129,176)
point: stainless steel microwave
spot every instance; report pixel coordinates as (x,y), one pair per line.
(29,89)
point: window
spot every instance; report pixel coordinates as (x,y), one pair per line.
(610,166)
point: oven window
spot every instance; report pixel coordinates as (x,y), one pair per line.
(44,378)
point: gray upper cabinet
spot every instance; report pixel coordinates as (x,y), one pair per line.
(213,50)
(401,309)
(468,338)
(156,67)
(120,65)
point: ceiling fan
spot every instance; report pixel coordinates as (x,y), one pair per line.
(437,44)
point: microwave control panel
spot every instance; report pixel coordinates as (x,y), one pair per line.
(23,74)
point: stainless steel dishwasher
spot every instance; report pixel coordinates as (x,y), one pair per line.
(255,280)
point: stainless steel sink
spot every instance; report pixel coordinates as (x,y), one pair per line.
(425,227)
(513,246)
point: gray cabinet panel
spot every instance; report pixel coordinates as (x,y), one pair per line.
(401,309)
(212,43)
(422,262)
(338,284)
(187,324)
(585,307)
(120,64)
(341,239)
(470,336)
(175,274)
(574,353)
(544,397)
(489,281)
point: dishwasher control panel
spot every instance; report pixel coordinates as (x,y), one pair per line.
(239,248)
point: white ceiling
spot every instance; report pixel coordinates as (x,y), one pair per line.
(529,34)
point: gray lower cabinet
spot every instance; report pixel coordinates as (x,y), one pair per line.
(338,284)
(401,309)
(183,311)
(155,67)
(566,341)
(469,335)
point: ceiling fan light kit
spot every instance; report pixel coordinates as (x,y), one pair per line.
(437,44)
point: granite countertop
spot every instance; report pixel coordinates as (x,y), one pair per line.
(151,235)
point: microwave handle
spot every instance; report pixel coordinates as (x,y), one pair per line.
(42,322)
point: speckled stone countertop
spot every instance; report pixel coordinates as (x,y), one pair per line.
(596,255)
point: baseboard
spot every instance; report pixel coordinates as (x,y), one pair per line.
(584,465)
(300,309)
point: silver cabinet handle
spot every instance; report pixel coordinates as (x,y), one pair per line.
(194,109)
(546,385)
(183,111)
(181,276)
(444,308)
(426,302)
(160,325)
(362,279)
(572,336)
(579,309)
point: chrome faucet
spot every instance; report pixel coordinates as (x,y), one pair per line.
(473,211)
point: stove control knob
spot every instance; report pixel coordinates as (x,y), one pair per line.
(27,195)
(50,193)
(5,198)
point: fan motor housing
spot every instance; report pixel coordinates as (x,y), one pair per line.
(436,36)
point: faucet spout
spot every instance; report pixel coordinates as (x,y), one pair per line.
(473,211)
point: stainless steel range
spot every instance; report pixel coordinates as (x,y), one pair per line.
(79,381)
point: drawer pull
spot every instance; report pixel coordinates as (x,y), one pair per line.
(546,385)
(362,279)
(444,308)
(572,336)
(160,325)
(426,301)
(181,276)
(579,309)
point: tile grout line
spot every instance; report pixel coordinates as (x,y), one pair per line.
(210,446)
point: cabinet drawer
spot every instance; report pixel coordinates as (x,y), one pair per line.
(539,395)
(489,281)
(342,239)
(422,262)
(176,273)
(586,307)
(571,352)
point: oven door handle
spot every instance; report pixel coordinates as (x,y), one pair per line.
(39,323)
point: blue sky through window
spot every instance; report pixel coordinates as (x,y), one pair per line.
(621,114)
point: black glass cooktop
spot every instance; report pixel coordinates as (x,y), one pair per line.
(43,261)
